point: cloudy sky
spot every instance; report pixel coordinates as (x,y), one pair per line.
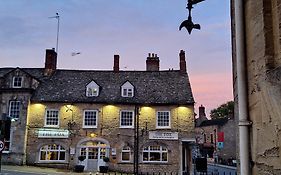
(131,28)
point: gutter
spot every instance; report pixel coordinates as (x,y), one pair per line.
(244,123)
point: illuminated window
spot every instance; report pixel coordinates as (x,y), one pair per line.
(92,89)
(163,119)
(52,152)
(17,82)
(90,119)
(52,118)
(126,154)
(127,119)
(155,154)
(14,109)
(127,90)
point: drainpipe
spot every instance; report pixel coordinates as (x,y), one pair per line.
(244,123)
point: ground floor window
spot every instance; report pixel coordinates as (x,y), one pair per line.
(126,154)
(6,131)
(155,154)
(52,152)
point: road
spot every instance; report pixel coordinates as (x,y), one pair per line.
(18,172)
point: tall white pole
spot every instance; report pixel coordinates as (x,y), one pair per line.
(242,89)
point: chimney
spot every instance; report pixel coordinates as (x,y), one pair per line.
(202,111)
(152,62)
(182,62)
(50,62)
(116,63)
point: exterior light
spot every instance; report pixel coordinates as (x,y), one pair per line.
(93,135)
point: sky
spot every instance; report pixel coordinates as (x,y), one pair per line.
(99,29)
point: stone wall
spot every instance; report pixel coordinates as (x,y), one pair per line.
(263,54)
(182,121)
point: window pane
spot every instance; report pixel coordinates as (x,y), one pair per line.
(17,82)
(52,152)
(126,118)
(145,156)
(164,156)
(62,156)
(42,155)
(125,156)
(90,118)
(14,109)
(154,156)
(52,117)
(163,118)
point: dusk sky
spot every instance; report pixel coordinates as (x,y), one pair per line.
(131,28)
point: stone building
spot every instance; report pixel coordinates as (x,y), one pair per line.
(260,30)
(216,138)
(138,119)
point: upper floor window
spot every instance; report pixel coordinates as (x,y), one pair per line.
(126,154)
(155,154)
(163,119)
(52,152)
(90,119)
(126,119)
(17,82)
(127,90)
(92,89)
(52,118)
(14,109)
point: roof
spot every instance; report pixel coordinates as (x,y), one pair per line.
(151,87)
(219,122)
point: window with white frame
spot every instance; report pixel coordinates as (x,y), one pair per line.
(52,118)
(14,109)
(126,119)
(52,152)
(92,89)
(155,154)
(17,82)
(90,119)
(127,90)
(126,154)
(163,119)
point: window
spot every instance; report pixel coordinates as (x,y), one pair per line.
(52,118)
(155,154)
(163,119)
(126,119)
(17,82)
(212,138)
(90,119)
(52,152)
(7,135)
(127,90)
(126,154)
(92,89)
(14,109)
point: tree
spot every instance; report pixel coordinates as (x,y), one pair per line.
(224,110)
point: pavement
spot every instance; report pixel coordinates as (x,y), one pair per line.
(15,169)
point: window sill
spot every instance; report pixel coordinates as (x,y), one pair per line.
(6,152)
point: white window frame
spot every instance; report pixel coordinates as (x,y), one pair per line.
(126,87)
(161,151)
(52,110)
(59,150)
(13,85)
(92,89)
(133,118)
(157,118)
(124,150)
(90,126)
(18,106)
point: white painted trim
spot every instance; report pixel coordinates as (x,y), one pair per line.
(14,81)
(53,126)
(97,116)
(10,107)
(133,118)
(163,127)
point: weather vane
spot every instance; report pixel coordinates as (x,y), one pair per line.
(188,24)
(58,29)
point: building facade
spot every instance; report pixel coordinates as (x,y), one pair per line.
(140,120)
(262,32)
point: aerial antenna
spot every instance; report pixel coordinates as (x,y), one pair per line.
(58,29)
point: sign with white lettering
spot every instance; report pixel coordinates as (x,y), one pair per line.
(163,135)
(53,133)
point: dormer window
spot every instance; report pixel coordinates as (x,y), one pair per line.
(127,90)
(92,89)
(17,82)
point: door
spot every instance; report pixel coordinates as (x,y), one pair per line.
(92,159)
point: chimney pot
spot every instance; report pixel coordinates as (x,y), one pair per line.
(152,62)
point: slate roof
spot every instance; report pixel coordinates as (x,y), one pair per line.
(151,87)
(219,122)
